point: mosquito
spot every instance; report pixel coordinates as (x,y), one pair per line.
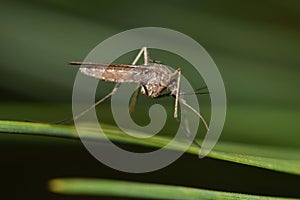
(153,79)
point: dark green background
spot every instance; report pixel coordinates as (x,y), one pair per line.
(255,44)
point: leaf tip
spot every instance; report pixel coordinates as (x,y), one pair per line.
(56,185)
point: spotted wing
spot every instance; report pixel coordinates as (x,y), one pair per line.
(121,73)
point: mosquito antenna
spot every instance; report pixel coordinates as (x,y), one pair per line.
(195,111)
(201,88)
(196,93)
(201,93)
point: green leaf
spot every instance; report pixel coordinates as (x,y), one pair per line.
(77,186)
(272,158)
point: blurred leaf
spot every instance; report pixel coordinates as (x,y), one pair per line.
(277,159)
(77,186)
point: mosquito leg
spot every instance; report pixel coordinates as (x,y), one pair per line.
(144,51)
(136,92)
(146,56)
(98,102)
(178,98)
(196,112)
(177,93)
(134,98)
(91,107)
(137,57)
(187,131)
(178,74)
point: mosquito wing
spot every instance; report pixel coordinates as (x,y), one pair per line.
(121,73)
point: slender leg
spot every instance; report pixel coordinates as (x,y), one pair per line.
(178,98)
(178,74)
(134,98)
(197,113)
(98,102)
(136,92)
(91,107)
(146,56)
(177,93)
(187,131)
(185,122)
